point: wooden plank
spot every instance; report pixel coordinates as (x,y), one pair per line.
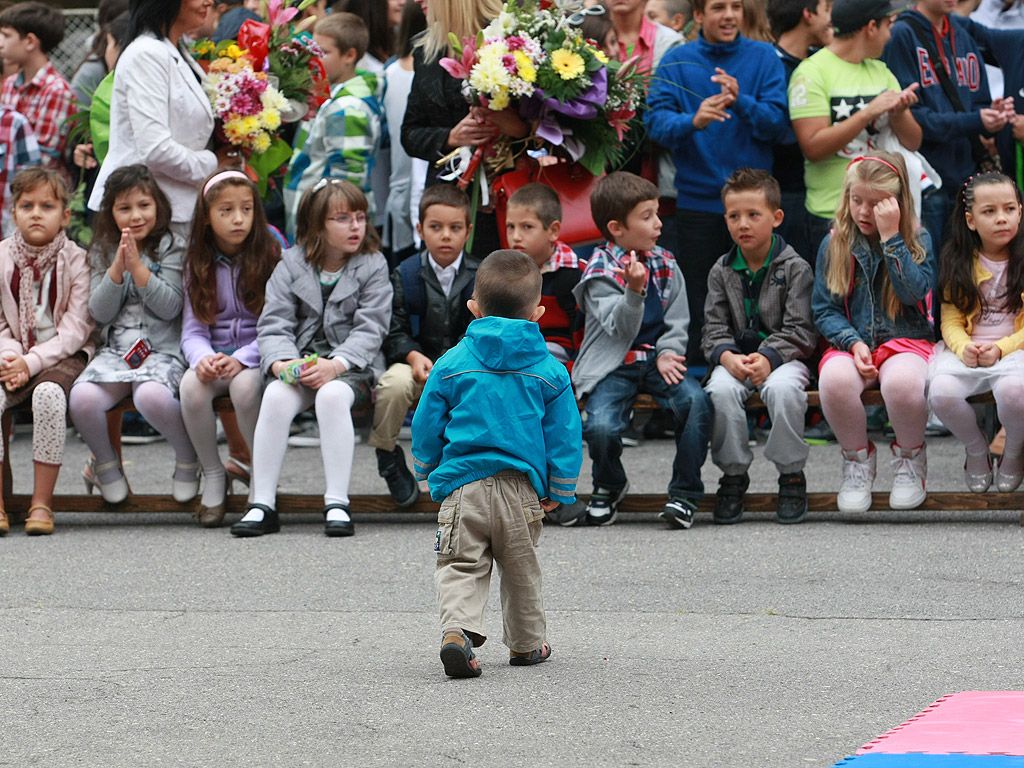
(754,402)
(633,503)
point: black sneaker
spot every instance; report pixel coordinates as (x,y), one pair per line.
(729,499)
(792,498)
(678,513)
(604,505)
(568,515)
(401,484)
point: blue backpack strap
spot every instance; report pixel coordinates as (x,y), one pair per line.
(415,292)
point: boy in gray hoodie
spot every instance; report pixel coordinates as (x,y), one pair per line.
(758,328)
(636,321)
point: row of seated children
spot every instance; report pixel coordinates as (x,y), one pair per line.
(764,312)
(78,333)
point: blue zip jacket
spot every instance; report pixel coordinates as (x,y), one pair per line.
(705,159)
(498,400)
(860,316)
(946,132)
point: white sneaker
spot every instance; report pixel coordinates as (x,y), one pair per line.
(858,475)
(910,467)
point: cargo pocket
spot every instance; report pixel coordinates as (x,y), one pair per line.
(534,517)
(447,537)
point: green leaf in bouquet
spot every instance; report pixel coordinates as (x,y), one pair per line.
(223,45)
(266,163)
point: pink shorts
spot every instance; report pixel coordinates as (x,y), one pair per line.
(918,347)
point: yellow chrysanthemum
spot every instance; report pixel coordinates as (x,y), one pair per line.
(500,100)
(568,64)
(234,52)
(599,55)
(261,143)
(525,67)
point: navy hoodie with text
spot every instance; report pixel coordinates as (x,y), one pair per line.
(946,133)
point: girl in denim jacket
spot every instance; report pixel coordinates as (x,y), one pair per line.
(330,296)
(874,273)
(982,277)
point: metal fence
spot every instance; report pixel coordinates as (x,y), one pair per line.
(79,27)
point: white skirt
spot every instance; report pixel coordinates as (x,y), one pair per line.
(975,380)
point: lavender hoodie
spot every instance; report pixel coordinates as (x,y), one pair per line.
(233,329)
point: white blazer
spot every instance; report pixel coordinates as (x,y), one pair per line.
(160,116)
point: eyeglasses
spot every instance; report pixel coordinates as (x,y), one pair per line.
(346,220)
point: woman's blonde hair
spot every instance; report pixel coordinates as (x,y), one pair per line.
(885,173)
(463,18)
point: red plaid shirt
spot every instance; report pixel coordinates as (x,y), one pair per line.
(47,102)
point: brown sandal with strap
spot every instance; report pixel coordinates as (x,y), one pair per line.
(5,524)
(39,527)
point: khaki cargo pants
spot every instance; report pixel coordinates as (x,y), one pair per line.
(497,519)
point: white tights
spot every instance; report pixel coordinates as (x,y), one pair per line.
(948,396)
(281,403)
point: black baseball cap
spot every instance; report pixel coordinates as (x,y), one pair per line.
(851,15)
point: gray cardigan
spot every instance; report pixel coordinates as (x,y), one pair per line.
(784,307)
(356,317)
(614,316)
(161,296)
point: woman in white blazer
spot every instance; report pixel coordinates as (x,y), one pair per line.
(159,114)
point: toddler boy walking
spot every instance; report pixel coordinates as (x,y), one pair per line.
(757,328)
(497,437)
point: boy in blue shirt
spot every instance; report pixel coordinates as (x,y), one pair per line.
(497,437)
(634,299)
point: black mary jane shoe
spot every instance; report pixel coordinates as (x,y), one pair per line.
(338,527)
(269,524)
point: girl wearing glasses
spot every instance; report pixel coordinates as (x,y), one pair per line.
(326,313)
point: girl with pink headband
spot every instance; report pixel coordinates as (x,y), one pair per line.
(231,256)
(874,275)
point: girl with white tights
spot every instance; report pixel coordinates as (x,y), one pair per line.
(981,275)
(331,297)
(231,256)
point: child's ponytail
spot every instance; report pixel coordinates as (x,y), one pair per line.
(956,262)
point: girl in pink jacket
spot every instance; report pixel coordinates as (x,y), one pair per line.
(46,332)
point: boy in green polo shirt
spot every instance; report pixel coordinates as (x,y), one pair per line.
(758,329)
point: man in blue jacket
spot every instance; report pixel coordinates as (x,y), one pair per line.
(930,44)
(719,103)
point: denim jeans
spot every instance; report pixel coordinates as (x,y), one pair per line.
(608,408)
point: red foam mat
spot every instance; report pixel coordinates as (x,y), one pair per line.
(971,722)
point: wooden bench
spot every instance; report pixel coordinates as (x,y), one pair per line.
(17,504)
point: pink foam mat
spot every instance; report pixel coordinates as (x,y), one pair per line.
(971,722)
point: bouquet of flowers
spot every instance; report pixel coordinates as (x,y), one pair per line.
(270,76)
(534,60)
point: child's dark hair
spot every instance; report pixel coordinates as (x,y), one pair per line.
(347,31)
(615,197)
(413,22)
(374,13)
(956,263)
(754,180)
(785,15)
(106,233)
(445,194)
(596,26)
(256,260)
(314,208)
(36,176)
(42,20)
(541,200)
(508,284)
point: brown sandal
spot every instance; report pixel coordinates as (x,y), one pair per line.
(39,527)
(5,524)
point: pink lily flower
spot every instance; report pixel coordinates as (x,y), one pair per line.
(278,15)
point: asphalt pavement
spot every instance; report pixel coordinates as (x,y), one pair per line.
(144,640)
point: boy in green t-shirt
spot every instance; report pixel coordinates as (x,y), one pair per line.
(842,96)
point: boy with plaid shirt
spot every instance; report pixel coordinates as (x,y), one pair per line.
(22,151)
(344,138)
(28,32)
(637,320)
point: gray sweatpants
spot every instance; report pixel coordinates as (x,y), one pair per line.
(785,394)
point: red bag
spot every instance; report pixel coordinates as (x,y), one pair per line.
(571,181)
